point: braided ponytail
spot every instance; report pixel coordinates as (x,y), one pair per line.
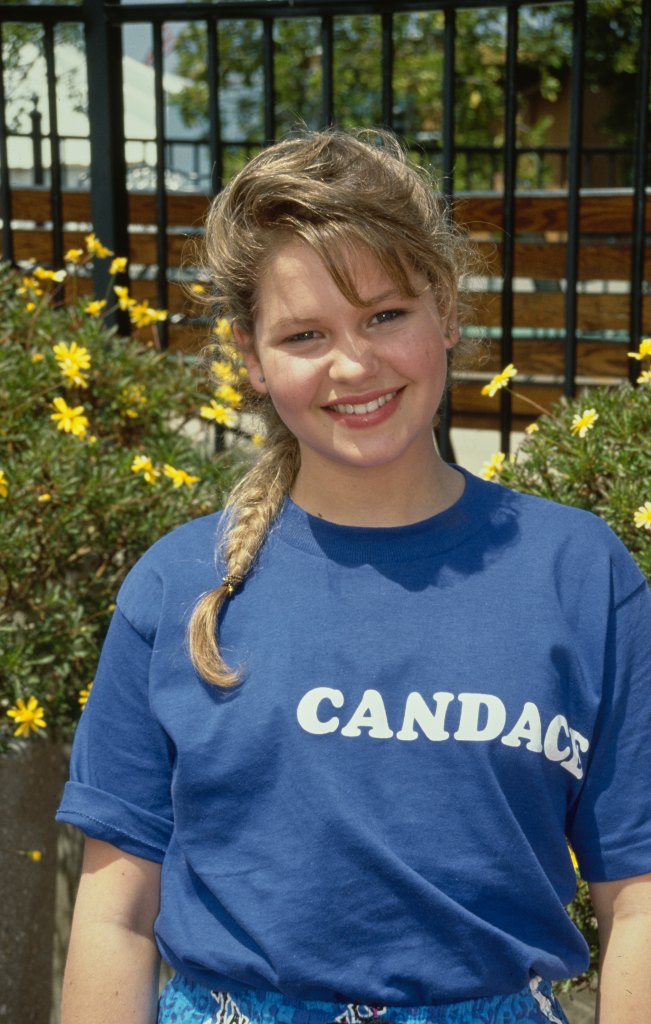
(252,507)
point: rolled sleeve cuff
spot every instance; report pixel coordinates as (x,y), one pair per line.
(101,815)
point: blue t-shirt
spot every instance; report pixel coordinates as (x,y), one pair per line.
(378,813)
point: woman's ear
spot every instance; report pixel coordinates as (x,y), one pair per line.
(451,327)
(246,346)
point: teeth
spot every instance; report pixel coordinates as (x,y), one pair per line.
(359,410)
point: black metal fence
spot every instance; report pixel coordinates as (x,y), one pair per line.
(456,160)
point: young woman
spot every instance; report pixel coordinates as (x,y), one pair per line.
(340,733)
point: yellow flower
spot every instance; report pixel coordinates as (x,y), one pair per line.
(29,716)
(118,265)
(34,855)
(141,315)
(69,419)
(642,517)
(197,288)
(37,357)
(644,378)
(494,467)
(30,284)
(92,439)
(499,381)
(257,440)
(582,424)
(223,371)
(179,476)
(143,464)
(243,372)
(533,428)
(30,307)
(644,350)
(83,695)
(44,497)
(223,330)
(72,359)
(95,307)
(124,299)
(73,255)
(4,486)
(129,396)
(575,863)
(229,395)
(95,248)
(50,275)
(219,413)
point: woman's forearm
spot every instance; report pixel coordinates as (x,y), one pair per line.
(624,982)
(111,975)
(623,911)
(113,965)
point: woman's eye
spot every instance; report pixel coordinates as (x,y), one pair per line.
(387,315)
(302,336)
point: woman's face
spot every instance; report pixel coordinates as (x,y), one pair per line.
(357,386)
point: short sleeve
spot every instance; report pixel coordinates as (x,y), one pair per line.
(610,825)
(120,773)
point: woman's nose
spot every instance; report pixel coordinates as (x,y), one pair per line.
(353,357)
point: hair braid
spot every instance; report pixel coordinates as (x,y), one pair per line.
(252,507)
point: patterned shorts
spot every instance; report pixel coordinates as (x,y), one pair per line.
(183,1002)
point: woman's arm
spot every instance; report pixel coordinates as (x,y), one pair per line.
(113,964)
(623,912)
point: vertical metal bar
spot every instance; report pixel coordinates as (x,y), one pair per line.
(387,69)
(639,184)
(55,155)
(269,80)
(327,70)
(214,113)
(108,197)
(161,194)
(508,219)
(573,191)
(447,188)
(5,187)
(37,142)
(449,99)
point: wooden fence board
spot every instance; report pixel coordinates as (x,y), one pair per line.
(540,254)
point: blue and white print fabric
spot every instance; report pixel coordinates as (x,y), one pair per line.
(184,1002)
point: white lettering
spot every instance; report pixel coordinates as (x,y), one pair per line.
(417,712)
(552,737)
(471,707)
(369,714)
(579,745)
(308,706)
(482,716)
(528,727)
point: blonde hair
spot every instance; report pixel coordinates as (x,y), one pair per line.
(329,189)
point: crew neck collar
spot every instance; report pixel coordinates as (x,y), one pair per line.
(363,544)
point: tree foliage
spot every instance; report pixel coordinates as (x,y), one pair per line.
(544,62)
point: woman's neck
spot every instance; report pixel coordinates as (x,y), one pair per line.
(377,496)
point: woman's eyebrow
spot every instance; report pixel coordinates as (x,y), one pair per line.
(296,321)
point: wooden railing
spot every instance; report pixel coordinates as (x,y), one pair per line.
(603,308)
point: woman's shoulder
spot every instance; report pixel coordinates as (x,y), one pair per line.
(577,541)
(180,563)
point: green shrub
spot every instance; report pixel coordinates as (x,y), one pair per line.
(592,452)
(102,451)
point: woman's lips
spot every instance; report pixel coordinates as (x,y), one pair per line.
(367,411)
